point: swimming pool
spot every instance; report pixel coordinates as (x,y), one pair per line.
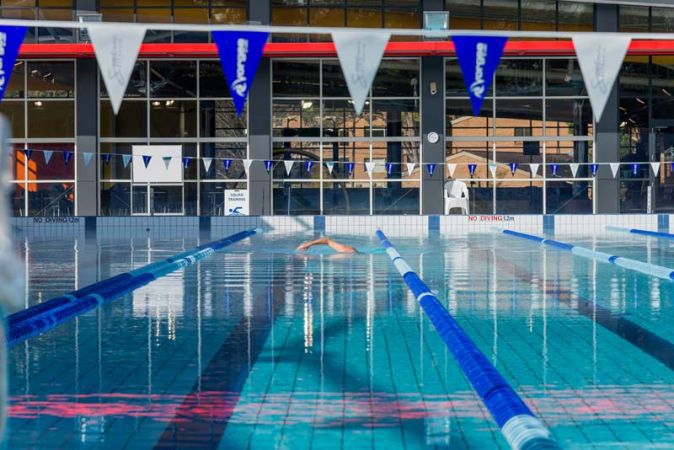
(258,347)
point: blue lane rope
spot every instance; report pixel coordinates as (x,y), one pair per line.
(627,263)
(521,428)
(657,234)
(40,318)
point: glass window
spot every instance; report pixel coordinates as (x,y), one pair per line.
(115,169)
(462,123)
(41,112)
(212,201)
(568,197)
(296,118)
(296,198)
(397,78)
(500,14)
(173,79)
(212,82)
(137,87)
(51,199)
(538,15)
(454,84)
(296,79)
(115,199)
(568,117)
(634,19)
(334,84)
(396,197)
(54,169)
(16,88)
(173,118)
(481,196)
(14,111)
(470,152)
(519,78)
(219,152)
(218,119)
(340,120)
(575,16)
(395,118)
(519,197)
(130,122)
(464,15)
(513,115)
(51,79)
(346,198)
(662,20)
(633,196)
(563,78)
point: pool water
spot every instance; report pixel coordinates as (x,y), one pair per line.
(259,347)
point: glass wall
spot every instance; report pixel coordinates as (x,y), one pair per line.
(42,10)
(40,104)
(175,102)
(537,112)
(324,145)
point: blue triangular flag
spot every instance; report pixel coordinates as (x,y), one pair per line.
(126,159)
(308,165)
(146,160)
(240,54)
(635,169)
(186,162)
(167,161)
(106,158)
(478,57)
(226,163)
(87,158)
(431,168)
(594,168)
(513,167)
(67,156)
(471,169)
(10,41)
(349,167)
(28,153)
(47,155)
(268,165)
(554,169)
(389,169)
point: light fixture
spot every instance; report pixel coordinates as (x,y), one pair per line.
(641,101)
(307,105)
(170,102)
(666,92)
(38,103)
(156,103)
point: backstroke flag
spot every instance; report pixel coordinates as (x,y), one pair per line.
(359,55)
(600,57)
(116,47)
(10,41)
(478,57)
(240,54)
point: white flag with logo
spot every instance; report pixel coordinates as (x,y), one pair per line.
(246,165)
(656,168)
(359,55)
(410,168)
(492,169)
(574,169)
(600,57)
(451,168)
(116,47)
(289,166)
(207,163)
(534,169)
(614,168)
(369,166)
(330,165)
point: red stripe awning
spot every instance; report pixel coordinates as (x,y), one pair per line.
(327,49)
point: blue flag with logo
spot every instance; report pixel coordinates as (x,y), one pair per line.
(10,41)
(67,156)
(471,169)
(478,57)
(186,162)
(513,168)
(226,163)
(106,158)
(240,54)
(146,160)
(594,168)
(268,165)
(635,169)
(389,168)
(349,167)
(431,168)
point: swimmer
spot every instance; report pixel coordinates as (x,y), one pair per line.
(338,247)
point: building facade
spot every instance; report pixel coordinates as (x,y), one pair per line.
(299,109)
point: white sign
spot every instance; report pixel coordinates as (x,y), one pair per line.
(236,202)
(157,170)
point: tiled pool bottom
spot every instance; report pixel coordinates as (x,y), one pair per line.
(258,347)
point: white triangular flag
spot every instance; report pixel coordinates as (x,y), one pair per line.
(534,169)
(330,165)
(87,158)
(451,167)
(116,47)
(207,163)
(656,168)
(574,169)
(492,169)
(600,57)
(289,166)
(369,166)
(246,165)
(48,154)
(410,168)
(614,168)
(359,55)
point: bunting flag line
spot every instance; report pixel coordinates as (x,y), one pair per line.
(246,165)
(186,162)
(478,56)
(48,154)
(207,163)
(614,168)
(10,41)
(146,160)
(308,165)
(574,169)
(594,168)
(451,167)
(655,166)
(471,169)
(240,54)
(369,167)
(330,165)
(389,168)
(106,158)
(635,169)
(410,168)
(600,58)
(534,169)
(553,169)
(349,167)
(268,165)
(513,168)
(126,159)
(430,167)
(359,54)
(167,161)
(492,169)
(289,167)
(116,47)
(227,163)
(87,158)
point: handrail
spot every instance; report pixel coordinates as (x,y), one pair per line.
(521,428)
